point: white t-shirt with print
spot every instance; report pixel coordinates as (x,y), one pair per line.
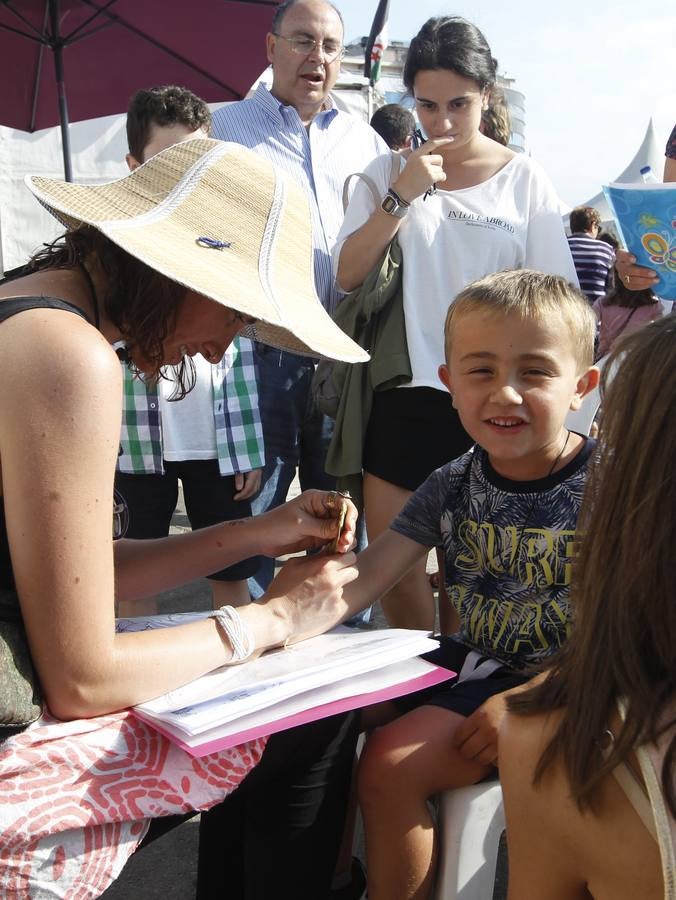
(512,220)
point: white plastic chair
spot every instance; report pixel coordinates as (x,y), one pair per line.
(471,823)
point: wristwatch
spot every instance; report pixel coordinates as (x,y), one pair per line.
(393,205)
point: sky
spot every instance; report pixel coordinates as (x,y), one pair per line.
(593,71)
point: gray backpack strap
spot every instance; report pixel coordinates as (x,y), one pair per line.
(367,180)
(395,169)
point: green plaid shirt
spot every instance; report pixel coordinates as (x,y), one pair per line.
(239,433)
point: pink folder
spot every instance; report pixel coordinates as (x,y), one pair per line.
(435,676)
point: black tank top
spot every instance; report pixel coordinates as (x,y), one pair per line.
(10,308)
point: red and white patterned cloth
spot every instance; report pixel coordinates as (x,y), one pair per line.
(76,798)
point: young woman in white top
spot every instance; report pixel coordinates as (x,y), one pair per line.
(462,207)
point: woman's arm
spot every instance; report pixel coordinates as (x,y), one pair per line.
(142,568)
(59,436)
(364,246)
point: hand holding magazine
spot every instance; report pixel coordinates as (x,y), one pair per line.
(645,215)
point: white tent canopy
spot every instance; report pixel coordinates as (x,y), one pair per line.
(98,149)
(648,154)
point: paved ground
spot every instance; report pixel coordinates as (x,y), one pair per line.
(166,870)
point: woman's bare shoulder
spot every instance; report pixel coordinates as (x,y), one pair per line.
(55,360)
(527,736)
(38,338)
(557,851)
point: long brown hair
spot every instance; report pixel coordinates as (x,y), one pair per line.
(622,296)
(139,301)
(624,634)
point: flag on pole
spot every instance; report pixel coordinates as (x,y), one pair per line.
(377,42)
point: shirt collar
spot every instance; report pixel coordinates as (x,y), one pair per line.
(276,108)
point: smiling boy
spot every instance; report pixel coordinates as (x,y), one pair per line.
(519,350)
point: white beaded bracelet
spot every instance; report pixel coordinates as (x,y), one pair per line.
(237,631)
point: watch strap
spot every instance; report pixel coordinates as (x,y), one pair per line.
(393,205)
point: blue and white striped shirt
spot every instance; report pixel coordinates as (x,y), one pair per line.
(320,158)
(593,261)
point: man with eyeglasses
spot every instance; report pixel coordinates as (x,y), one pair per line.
(296,125)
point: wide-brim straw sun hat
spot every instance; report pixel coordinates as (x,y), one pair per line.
(221,220)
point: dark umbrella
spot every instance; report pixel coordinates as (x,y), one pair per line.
(106,50)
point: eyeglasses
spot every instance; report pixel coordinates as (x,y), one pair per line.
(304,46)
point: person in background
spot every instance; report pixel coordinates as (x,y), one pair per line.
(670,158)
(210,439)
(462,207)
(621,312)
(638,278)
(395,124)
(496,120)
(609,238)
(296,126)
(588,757)
(593,259)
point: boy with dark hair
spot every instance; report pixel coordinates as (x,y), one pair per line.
(395,124)
(162,109)
(519,350)
(211,439)
(594,259)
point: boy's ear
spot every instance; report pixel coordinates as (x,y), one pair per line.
(132,162)
(445,379)
(585,384)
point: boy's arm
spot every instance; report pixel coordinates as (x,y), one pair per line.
(477,737)
(381,565)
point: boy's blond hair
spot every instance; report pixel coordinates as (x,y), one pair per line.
(530,295)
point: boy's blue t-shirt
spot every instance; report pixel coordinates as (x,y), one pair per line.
(509,548)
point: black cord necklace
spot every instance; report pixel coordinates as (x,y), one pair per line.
(499,560)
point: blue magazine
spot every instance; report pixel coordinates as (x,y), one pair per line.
(645,215)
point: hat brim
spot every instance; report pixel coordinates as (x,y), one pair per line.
(258,256)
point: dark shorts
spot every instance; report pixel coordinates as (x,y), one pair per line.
(411,432)
(208,495)
(462,697)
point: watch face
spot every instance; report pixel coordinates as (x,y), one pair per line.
(389,204)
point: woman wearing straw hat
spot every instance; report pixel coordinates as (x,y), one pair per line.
(201,243)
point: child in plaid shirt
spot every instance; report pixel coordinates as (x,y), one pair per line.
(211,439)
